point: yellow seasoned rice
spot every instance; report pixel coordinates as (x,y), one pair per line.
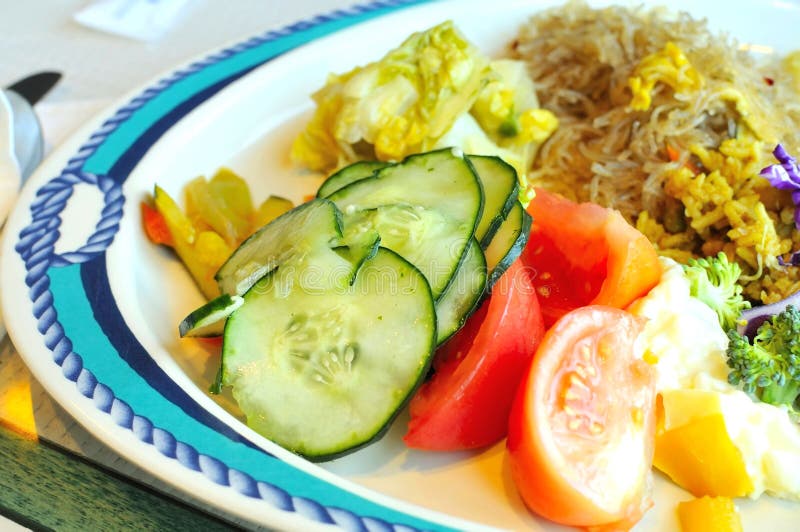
(629,86)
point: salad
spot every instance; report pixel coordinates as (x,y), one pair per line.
(428,273)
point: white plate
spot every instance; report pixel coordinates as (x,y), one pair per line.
(93,307)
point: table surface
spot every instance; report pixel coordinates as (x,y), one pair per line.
(44,455)
(42,35)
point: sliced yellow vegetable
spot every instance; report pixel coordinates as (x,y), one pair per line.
(272,207)
(219,216)
(693,446)
(232,191)
(179,225)
(709,514)
(185,240)
(212,210)
(211,249)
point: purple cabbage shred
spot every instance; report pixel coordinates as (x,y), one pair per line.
(794,260)
(785,176)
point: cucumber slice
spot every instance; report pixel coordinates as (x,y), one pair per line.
(422,236)
(498,178)
(461,298)
(349,174)
(359,250)
(500,191)
(325,373)
(288,237)
(508,242)
(425,208)
(209,320)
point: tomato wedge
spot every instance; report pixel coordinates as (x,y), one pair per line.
(466,403)
(584,254)
(582,428)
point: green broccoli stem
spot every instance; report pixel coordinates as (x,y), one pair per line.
(777,394)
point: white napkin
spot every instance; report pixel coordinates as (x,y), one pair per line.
(143,20)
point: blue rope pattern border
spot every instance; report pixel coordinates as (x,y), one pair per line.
(36,247)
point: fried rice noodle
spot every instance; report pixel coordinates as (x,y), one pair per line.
(604,151)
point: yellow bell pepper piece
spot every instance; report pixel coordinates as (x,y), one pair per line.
(693,446)
(709,514)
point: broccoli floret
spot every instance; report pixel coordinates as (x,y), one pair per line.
(713,280)
(769,367)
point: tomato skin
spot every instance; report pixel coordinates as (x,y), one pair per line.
(465,405)
(554,464)
(584,254)
(633,267)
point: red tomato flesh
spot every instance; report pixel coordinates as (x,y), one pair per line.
(583,254)
(466,403)
(582,427)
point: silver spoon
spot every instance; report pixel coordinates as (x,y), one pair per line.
(28,138)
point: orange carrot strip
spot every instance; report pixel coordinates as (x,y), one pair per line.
(672,153)
(155,227)
(675,155)
(211,341)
